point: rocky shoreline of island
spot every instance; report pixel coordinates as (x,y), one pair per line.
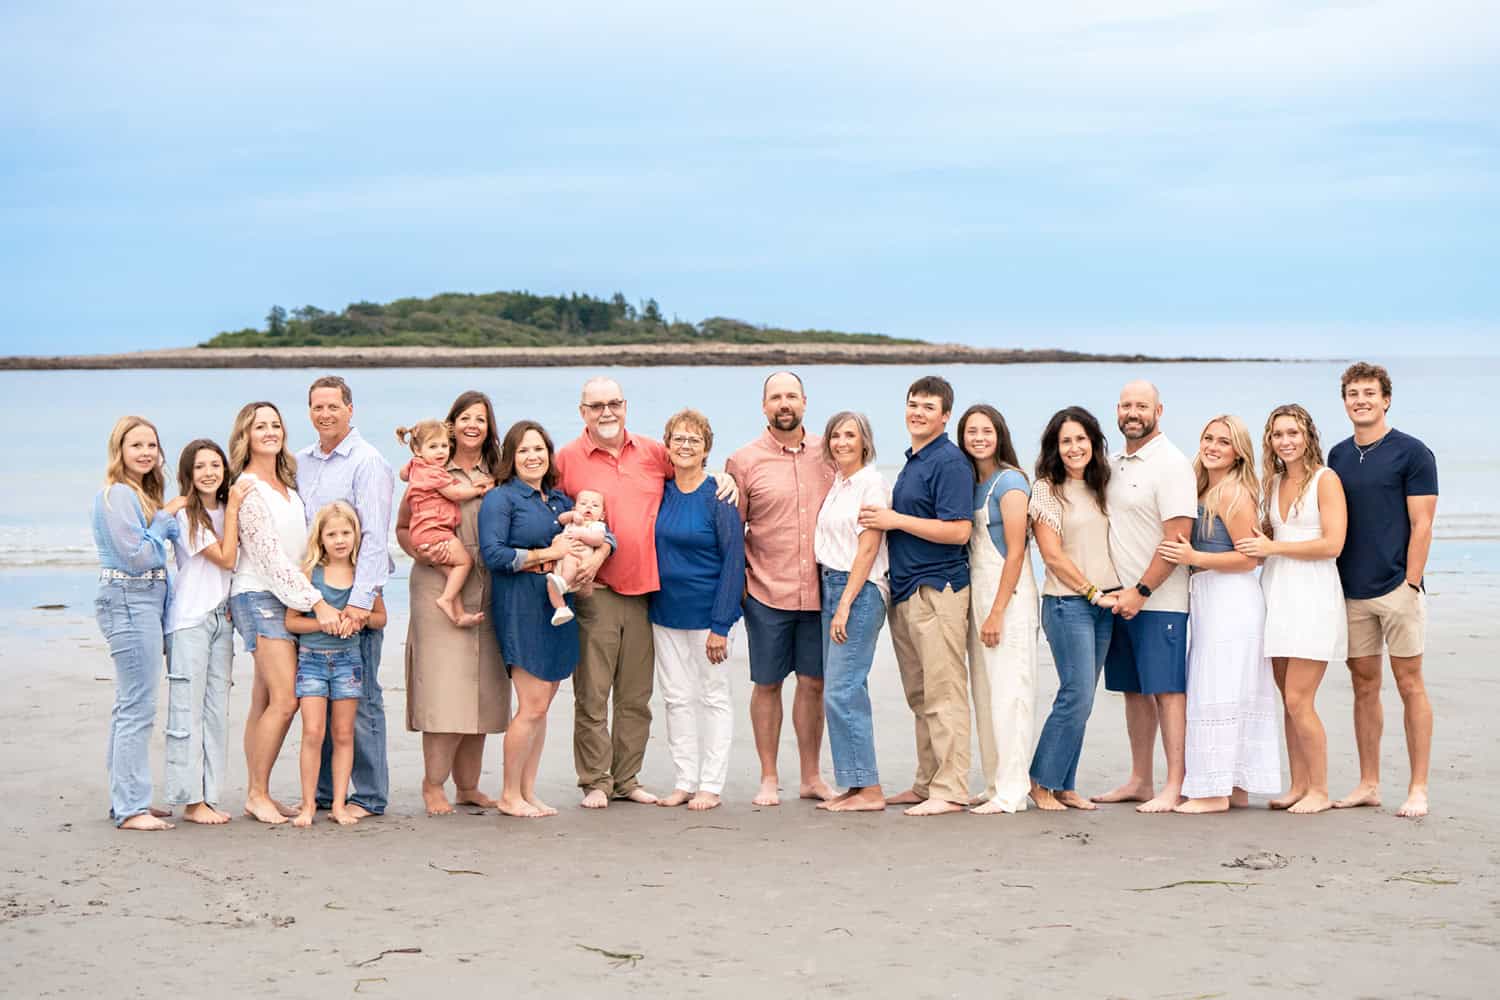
(593,356)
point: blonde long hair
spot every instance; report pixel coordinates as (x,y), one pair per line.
(1272,465)
(315,554)
(239,445)
(152,486)
(1240,483)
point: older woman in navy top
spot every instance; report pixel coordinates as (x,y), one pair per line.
(700,558)
(518,540)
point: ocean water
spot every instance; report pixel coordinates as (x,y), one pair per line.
(59,423)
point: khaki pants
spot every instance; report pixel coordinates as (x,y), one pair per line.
(930,631)
(615,653)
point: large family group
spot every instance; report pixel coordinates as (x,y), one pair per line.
(1200,589)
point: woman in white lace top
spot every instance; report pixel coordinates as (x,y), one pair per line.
(273,539)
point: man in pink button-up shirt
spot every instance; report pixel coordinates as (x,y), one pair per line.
(783,479)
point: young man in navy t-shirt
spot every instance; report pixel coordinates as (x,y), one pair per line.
(927,531)
(1390,483)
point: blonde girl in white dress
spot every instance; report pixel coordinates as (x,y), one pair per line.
(1305,516)
(1233,746)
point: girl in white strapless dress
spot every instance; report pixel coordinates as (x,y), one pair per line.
(1305,623)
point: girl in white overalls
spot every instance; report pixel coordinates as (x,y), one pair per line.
(1004,612)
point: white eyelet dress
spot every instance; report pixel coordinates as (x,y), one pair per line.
(1304,600)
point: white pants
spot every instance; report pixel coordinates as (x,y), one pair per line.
(700,718)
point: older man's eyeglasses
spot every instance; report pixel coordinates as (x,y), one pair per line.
(613,405)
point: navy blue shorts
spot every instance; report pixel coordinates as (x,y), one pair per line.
(782,642)
(1148,654)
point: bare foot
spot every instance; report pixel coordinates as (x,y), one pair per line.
(704,801)
(518,807)
(469,619)
(869,799)
(1194,807)
(769,794)
(1073,800)
(594,799)
(1239,798)
(146,822)
(286,810)
(640,796)
(906,798)
(160,813)
(542,808)
(934,807)
(202,812)
(344,816)
(1312,802)
(356,810)
(677,798)
(451,607)
(262,809)
(435,800)
(304,818)
(816,789)
(1288,800)
(1046,800)
(990,808)
(474,797)
(1165,802)
(1415,806)
(1364,795)
(829,803)
(1131,791)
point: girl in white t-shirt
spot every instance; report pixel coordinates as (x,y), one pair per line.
(200,645)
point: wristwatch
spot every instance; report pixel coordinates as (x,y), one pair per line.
(1143,590)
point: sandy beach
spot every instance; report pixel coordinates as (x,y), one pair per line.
(746,901)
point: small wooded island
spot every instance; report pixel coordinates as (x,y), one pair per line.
(524,330)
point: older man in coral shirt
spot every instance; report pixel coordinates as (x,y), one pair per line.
(783,478)
(614,628)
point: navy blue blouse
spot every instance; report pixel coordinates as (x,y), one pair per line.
(700,558)
(513,517)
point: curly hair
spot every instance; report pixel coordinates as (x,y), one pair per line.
(1272,465)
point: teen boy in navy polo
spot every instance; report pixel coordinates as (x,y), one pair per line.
(1391,487)
(927,528)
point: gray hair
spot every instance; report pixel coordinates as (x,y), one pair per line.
(598,381)
(866,435)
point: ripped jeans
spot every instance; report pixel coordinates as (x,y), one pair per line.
(199,661)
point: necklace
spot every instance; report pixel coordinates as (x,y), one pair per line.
(1365,451)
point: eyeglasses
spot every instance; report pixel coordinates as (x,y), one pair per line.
(684,441)
(613,405)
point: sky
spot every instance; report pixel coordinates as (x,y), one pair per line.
(1222,178)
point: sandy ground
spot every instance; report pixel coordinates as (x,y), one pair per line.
(744,901)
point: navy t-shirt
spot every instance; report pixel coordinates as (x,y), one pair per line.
(1373,562)
(936,483)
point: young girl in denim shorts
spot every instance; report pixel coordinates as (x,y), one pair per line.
(329,668)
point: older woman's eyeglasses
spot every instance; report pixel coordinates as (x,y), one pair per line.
(685,441)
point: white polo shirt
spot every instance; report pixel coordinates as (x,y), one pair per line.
(1155,484)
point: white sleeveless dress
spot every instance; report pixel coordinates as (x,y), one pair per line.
(1304,600)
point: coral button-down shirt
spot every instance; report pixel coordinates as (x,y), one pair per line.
(632,485)
(781,492)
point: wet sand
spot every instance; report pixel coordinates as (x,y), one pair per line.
(745,901)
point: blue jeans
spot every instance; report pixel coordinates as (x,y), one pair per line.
(199,661)
(371,779)
(846,681)
(129,613)
(1078,633)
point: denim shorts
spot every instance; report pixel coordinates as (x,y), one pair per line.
(782,642)
(335,674)
(1148,654)
(258,613)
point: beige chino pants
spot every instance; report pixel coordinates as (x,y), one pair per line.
(930,631)
(615,656)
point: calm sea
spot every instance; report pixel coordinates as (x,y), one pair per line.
(59,422)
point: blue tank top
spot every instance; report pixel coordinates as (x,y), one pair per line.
(336,597)
(1216,539)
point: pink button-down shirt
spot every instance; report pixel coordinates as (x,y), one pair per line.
(781,491)
(632,485)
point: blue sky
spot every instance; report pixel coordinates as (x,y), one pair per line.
(1228,178)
